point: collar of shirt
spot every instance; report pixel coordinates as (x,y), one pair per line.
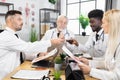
(63,31)
(10,30)
(93,35)
(100,32)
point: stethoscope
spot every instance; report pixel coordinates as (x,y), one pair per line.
(116,50)
(66,33)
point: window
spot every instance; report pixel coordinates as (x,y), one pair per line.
(76,7)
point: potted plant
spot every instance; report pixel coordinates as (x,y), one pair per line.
(84,21)
(62,56)
(57,75)
(52,1)
(58,63)
(33,36)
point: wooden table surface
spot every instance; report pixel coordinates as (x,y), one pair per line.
(27,66)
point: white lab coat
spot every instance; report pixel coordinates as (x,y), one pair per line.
(93,47)
(52,33)
(11,46)
(111,72)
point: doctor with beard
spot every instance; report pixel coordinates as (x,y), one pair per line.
(11,45)
(61,30)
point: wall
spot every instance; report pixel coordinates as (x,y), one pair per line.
(117,4)
(33,8)
(63,7)
(82,39)
(30,10)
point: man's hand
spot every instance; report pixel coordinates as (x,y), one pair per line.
(57,41)
(73,41)
(42,54)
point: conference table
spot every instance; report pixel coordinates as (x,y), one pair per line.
(27,66)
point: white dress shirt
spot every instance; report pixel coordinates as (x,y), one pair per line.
(10,48)
(93,47)
(52,33)
(109,70)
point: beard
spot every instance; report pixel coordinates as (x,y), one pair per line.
(18,28)
(61,29)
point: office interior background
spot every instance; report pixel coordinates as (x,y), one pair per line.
(34,11)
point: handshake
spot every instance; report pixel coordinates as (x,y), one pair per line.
(61,39)
(58,41)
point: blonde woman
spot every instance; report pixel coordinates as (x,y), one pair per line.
(109,69)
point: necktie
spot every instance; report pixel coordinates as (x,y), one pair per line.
(21,57)
(97,36)
(58,34)
(16,35)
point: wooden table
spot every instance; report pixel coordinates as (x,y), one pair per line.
(27,66)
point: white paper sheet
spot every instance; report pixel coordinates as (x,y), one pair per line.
(70,54)
(51,53)
(31,74)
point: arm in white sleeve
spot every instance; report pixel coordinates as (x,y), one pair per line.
(113,73)
(35,47)
(48,35)
(102,74)
(88,45)
(97,64)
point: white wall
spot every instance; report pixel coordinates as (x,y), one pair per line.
(82,39)
(63,7)
(118,4)
(115,4)
(25,32)
(21,5)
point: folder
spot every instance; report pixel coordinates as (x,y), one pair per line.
(31,74)
(42,62)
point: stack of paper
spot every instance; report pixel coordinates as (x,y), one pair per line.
(31,74)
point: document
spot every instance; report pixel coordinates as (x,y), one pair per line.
(31,74)
(51,53)
(70,54)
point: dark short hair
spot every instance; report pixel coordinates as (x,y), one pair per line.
(12,12)
(96,13)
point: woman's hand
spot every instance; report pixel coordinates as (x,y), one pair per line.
(85,68)
(84,60)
